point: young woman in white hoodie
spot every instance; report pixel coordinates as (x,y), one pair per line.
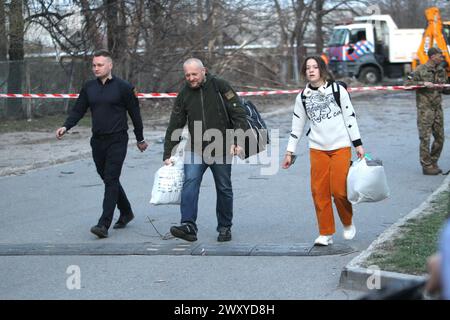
(333,130)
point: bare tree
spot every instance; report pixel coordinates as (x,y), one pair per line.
(116,27)
(302,10)
(90,30)
(293,21)
(16,55)
(149,39)
(16,31)
(322,9)
(3,38)
(319,10)
(54,20)
(284,42)
(406,13)
(215,25)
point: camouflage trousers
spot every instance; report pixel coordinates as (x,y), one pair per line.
(430,122)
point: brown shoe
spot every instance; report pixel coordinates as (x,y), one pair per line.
(431,171)
(437,167)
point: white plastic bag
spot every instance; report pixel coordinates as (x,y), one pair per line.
(168,183)
(169,179)
(366,181)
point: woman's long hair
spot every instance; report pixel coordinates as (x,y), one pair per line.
(325,74)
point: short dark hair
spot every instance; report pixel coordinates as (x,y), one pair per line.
(325,74)
(102,53)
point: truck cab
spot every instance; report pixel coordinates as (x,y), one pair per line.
(371,48)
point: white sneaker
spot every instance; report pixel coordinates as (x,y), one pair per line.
(349,232)
(323,240)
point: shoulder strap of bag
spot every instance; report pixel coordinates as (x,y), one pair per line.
(303,97)
(336,93)
(221,99)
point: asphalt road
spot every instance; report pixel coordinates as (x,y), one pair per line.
(57,205)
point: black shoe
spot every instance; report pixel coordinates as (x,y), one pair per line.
(120,224)
(100,231)
(224,235)
(185,231)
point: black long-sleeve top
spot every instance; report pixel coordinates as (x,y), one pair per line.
(109,104)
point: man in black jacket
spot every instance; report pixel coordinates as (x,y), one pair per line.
(210,107)
(109,99)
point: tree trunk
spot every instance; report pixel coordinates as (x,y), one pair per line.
(154,40)
(200,14)
(116,27)
(213,32)
(92,32)
(319,25)
(3,39)
(16,55)
(284,44)
(111,25)
(136,35)
(219,30)
(121,56)
(302,12)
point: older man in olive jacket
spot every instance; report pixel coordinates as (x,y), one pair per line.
(210,107)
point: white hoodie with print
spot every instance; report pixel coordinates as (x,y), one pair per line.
(331,127)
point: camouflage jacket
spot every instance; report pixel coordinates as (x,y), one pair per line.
(428,73)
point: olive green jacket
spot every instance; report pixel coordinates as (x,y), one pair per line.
(204,106)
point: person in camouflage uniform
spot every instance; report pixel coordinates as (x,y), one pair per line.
(430,117)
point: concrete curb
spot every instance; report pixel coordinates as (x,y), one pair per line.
(356,277)
(366,279)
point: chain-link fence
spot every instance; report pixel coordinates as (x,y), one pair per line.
(246,71)
(39,76)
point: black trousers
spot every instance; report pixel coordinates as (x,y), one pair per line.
(109,153)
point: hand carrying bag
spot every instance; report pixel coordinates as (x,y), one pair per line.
(168,184)
(366,181)
(169,179)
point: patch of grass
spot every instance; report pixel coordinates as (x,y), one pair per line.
(46,124)
(418,238)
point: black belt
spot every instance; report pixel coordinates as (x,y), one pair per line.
(104,136)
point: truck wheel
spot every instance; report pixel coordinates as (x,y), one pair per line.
(370,75)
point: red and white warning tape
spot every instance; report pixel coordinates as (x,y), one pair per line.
(39,95)
(394,88)
(245,94)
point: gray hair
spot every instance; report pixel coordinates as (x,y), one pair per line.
(195,61)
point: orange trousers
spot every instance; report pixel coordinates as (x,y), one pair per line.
(329,171)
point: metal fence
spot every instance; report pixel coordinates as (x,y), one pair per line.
(39,76)
(246,71)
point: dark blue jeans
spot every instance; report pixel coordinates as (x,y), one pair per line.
(193,174)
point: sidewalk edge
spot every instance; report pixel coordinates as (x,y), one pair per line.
(355,276)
